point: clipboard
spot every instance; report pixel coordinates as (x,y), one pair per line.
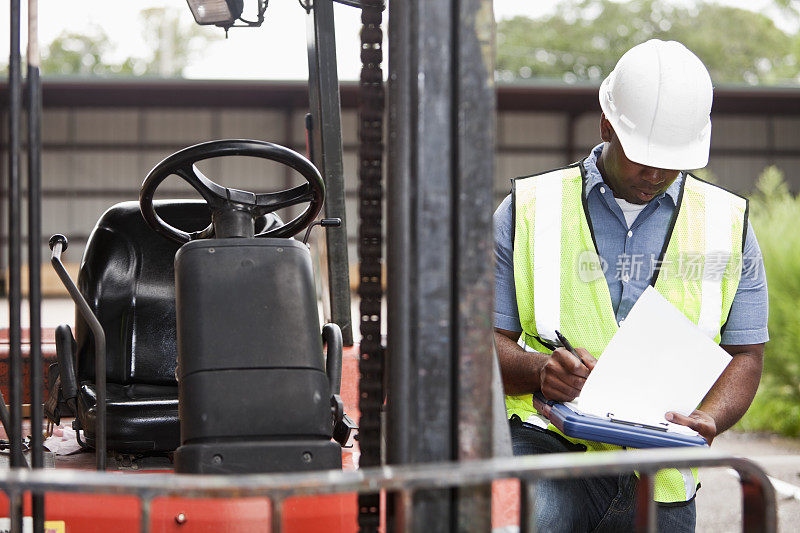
(610,431)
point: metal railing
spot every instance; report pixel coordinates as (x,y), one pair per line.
(758,497)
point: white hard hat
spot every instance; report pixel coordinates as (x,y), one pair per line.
(658,98)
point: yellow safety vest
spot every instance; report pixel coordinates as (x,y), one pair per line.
(560,283)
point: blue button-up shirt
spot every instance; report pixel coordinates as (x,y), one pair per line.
(630,255)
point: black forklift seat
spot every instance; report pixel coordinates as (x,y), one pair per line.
(128,278)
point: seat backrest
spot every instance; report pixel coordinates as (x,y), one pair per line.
(127,276)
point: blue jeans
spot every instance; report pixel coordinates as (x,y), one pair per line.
(590,504)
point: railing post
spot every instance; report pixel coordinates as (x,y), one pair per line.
(144,521)
(276,514)
(403,516)
(527,505)
(645,508)
(758,504)
(15,510)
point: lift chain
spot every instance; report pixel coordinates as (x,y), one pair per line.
(370,288)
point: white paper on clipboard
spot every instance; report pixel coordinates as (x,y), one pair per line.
(658,361)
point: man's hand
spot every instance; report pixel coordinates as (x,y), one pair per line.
(562,376)
(730,396)
(559,376)
(700,421)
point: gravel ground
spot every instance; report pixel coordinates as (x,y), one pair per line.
(719,507)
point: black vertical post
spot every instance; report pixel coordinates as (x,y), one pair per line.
(473,202)
(326,147)
(399,369)
(15,258)
(35,252)
(439,207)
(420,418)
(400,263)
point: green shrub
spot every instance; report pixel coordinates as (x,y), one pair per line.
(775,214)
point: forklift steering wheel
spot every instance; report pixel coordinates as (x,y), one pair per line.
(222,199)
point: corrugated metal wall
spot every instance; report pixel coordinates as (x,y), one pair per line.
(741,146)
(95,157)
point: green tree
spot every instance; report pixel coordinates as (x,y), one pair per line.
(583,40)
(174,40)
(171,35)
(83,55)
(773,209)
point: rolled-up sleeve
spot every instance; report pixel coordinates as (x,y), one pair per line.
(747,321)
(506,315)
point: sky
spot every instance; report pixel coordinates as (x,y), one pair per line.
(277,50)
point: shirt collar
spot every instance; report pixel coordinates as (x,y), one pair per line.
(594,178)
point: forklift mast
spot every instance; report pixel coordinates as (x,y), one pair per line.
(325,149)
(440,248)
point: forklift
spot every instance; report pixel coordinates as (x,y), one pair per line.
(197,333)
(247,336)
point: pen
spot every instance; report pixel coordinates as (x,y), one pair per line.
(565,343)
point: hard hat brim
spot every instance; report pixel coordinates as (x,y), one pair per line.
(671,157)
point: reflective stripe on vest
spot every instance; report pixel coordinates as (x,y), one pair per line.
(560,281)
(718,244)
(547,232)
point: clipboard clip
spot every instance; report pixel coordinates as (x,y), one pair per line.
(661,427)
(542,405)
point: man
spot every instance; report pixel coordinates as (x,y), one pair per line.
(577,246)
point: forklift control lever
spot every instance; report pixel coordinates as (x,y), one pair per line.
(325,223)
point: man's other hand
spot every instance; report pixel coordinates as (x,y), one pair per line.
(563,376)
(700,421)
